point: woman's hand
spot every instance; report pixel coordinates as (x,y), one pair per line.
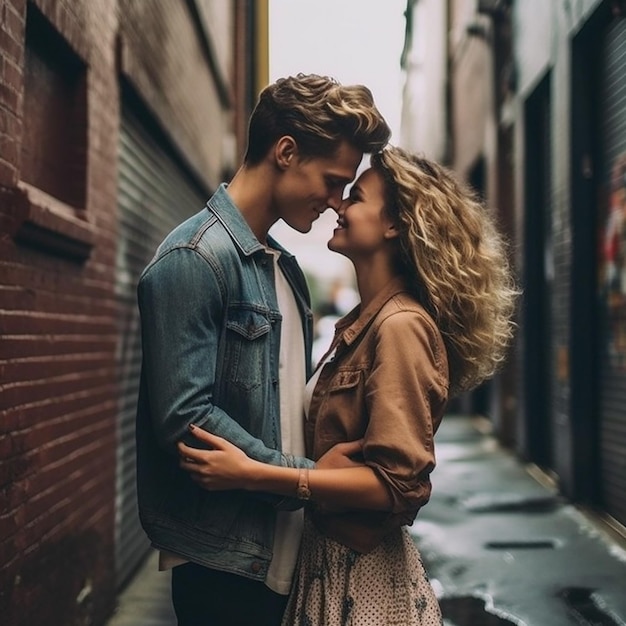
(342,455)
(222,467)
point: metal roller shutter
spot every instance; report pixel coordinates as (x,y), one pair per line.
(154,195)
(613,276)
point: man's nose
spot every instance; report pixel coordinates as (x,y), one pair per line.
(335,199)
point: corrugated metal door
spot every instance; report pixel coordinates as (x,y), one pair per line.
(154,194)
(613,274)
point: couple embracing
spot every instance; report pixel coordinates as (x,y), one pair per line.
(281,495)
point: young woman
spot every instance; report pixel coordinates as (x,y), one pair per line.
(437,298)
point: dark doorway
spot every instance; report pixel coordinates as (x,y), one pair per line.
(537,358)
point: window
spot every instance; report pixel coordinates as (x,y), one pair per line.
(54,140)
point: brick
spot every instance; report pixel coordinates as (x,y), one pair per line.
(11,47)
(8,174)
(15,346)
(13,76)
(9,149)
(8,553)
(8,525)
(13,22)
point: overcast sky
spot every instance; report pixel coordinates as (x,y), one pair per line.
(355,41)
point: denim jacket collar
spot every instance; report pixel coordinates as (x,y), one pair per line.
(355,322)
(226,211)
(233,221)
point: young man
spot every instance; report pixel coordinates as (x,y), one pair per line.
(226,335)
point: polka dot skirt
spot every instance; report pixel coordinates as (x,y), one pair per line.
(336,586)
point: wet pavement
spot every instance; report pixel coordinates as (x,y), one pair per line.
(500,545)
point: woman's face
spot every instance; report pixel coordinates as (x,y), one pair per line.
(363,228)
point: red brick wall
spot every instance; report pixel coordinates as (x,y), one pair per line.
(58,396)
(11,49)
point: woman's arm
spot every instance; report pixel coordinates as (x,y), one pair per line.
(225,466)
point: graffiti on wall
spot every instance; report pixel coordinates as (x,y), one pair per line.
(613,265)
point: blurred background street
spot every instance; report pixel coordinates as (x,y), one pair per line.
(119,118)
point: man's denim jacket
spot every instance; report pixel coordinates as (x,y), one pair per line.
(210,328)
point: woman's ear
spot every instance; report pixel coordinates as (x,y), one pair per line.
(285,151)
(391,231)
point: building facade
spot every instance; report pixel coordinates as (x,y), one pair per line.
(571,122)
(536,108)
(117,120)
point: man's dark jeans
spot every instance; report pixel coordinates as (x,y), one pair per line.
(206,597)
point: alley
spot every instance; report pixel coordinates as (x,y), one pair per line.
(146,600)
(501,547)
(119,120)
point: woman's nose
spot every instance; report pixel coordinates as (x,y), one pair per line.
(341,207)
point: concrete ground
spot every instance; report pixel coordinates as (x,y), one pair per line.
(146,600)
(500,545)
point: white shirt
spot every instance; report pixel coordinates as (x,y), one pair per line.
(291,382)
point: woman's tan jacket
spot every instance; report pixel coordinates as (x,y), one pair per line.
(388,384)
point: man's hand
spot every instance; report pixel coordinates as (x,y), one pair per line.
(342,455)
(223,466)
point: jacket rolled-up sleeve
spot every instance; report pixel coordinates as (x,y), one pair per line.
(406,392)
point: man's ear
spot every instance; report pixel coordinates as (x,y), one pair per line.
(285,151)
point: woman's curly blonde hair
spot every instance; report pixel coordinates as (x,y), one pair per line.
(319,113)
(453,253)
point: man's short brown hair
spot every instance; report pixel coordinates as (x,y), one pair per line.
(319,113)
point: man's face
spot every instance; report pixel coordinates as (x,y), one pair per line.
(308,187)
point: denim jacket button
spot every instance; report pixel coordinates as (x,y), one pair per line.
(256,567)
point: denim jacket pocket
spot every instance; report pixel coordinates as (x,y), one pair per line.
(247,334)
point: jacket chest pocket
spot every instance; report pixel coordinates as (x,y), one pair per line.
(247,353)
(343,416)
(345,380)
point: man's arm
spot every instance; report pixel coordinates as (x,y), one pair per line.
(182,308)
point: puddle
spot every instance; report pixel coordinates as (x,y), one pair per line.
(505,503)
(583,607)
(470,611)
(531,544)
